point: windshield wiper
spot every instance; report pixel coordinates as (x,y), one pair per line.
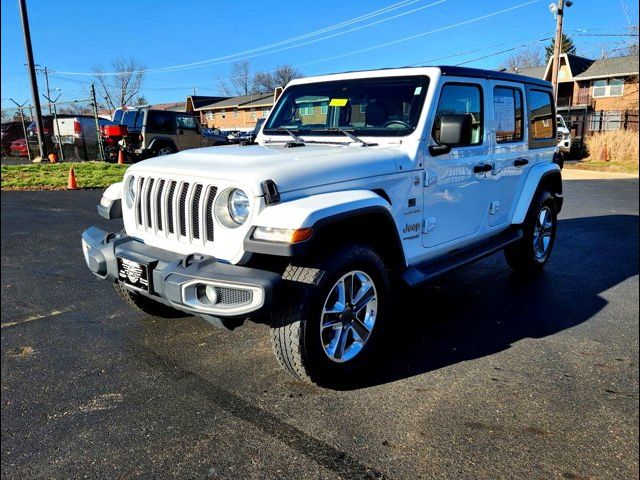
(351,136)
(298,142)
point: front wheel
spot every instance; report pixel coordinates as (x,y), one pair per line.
(330,329)
(532,252)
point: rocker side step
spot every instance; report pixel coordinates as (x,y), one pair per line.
(431,269)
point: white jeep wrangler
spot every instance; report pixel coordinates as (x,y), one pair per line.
(358,183)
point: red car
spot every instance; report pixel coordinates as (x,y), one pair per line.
(19,148)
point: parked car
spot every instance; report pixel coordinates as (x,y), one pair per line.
(361,183)
(19,148)
(78,132)
(151,133)
(32,134)
(216,136)
(564,136)
(10,132)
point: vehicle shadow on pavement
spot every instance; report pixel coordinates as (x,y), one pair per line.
(484,309)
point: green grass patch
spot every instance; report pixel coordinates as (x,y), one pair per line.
(54,176)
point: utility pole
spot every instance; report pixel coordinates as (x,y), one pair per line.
(94,103)
(558,11)
(46,81)
(24,127)
(34,82)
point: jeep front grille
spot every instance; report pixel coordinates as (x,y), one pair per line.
(177,209)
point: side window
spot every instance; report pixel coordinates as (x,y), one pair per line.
(139,119)
(461,99)
(186,122)
(507,113)
(161,122)
(541,116)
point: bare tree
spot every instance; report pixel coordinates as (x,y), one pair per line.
(119,89)
(524,58)
(240,82)
(265,82)
(243,83)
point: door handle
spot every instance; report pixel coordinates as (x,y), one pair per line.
(482,168)
(520,162)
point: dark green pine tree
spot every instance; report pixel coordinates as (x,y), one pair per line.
(567,47)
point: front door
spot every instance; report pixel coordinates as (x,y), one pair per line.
(188,133)
(458,184)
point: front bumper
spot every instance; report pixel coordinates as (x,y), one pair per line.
(175,278)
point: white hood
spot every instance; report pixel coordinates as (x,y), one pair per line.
(290,168)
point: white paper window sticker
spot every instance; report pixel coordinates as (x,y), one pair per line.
(417,91)
(504,113)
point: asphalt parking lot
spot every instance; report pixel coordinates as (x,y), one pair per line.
(486,375)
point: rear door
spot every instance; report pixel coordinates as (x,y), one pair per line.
(510,152)
(458,184)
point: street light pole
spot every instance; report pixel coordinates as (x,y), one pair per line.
(32,74)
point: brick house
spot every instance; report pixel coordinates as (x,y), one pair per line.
(236,113)
(595,95)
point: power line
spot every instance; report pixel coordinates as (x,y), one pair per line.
(252,52)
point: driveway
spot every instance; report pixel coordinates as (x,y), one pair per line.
(485,376)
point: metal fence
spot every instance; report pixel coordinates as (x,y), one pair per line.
(586,123)
(80,142)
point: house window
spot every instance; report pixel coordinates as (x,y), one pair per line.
(612,87)
(253,113)
(306,109)
(223,113)
(324,108)
(235,113)
(265,112)
(211,116)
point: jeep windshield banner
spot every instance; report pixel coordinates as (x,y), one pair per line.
(368,106)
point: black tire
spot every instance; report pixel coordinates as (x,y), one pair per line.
(145,305)
(295,334)
(163,149)
(522,256)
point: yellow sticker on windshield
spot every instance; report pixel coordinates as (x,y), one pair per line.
(338,102)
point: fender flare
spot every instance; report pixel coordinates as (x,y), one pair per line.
(538,175)
(317,212)
(159,140)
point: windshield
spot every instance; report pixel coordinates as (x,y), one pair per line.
(368,106)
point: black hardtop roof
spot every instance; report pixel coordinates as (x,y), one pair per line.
(491,75)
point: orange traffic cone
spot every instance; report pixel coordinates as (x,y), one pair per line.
(53,158)
(120,157)
(71,183)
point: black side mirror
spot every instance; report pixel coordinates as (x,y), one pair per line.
(455,130)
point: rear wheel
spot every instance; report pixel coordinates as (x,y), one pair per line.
(531,254)
(163,149)
(329,330)
(146,305)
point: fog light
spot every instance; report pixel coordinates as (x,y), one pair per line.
(206,294)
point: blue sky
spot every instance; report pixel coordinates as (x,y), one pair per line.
(73,36)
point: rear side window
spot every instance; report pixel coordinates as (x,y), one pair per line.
(542,122)
(161,122)
(507,112)
(186,122)
(129,118)
(461,99)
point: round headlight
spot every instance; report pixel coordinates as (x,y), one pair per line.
(130,191)
(238,206)
(231,207)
